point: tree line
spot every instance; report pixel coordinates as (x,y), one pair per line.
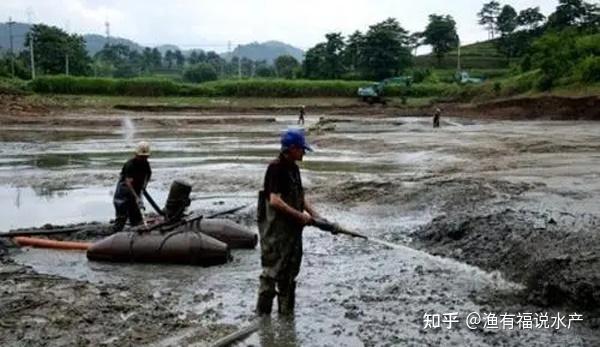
(57,52)
(386,49)
(513,33)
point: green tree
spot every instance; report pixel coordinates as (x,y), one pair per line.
(263,69)
(22,69)
(591,18)
(415,40)
(515,44)
(313,65)
(213,59)
(488,16)
(156,58)
(247,67)
(554,54)
(179,58)
(530,18)
(193,59)
(51,47)
(199,73)
(147,60)
(441,35)
(169,58)
(285,65)
(352,51)
(334,63)
(507,20)
(568,13)
(118,61)
(385,51)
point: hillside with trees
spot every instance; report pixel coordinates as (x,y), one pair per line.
(526,51)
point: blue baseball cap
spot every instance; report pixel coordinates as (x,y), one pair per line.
(294,136)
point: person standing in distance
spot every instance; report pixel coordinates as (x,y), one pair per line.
(301,116)
(436,117)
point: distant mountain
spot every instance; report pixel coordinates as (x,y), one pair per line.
(94,43)
(268,51)
(19,31)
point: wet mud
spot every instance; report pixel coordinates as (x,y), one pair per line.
(556,255)
(490,216)
(42,310)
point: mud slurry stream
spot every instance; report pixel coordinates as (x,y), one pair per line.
(378,177)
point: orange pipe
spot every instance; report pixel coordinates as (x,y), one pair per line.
(45,243)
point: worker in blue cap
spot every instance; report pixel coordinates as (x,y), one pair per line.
(283,212)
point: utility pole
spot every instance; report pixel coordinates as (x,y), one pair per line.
(67,62)
(12,52)
(239,63)
(458,59)
(107,26)
(31,43)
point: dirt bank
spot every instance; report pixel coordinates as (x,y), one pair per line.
(517,108)
(522,108)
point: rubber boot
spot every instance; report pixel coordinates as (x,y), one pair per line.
(286,298)
(266,294)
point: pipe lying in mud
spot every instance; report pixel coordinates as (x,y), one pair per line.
(238,335)
(53,244)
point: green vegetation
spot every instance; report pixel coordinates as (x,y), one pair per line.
(287,66)
(381,52)
(228,88)
(481,55)
(441,35)
(565,57)
(13,86)
(164,87)
(525,54)
(202,72)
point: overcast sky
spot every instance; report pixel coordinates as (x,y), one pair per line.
(212,24)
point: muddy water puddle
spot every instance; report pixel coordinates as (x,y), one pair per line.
(350,292)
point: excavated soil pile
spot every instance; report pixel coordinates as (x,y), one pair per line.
(556,255)
(544,107)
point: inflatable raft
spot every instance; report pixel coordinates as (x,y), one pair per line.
(224,230)
(201,242)
(177,247)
